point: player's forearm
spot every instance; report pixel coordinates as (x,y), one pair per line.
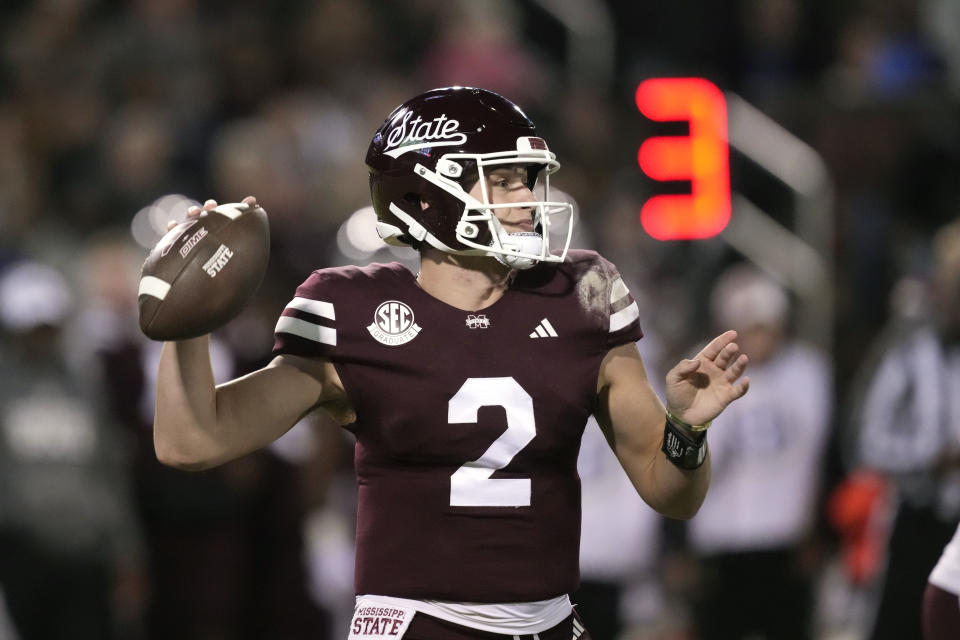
(670,490)
(677,493)
(199,425)
(185,421)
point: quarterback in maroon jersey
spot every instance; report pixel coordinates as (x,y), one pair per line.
(467,385)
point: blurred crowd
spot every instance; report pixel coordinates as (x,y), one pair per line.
(116,114)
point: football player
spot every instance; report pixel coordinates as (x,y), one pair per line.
(467,432)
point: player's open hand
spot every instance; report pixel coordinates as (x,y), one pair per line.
(209,205)
(700,388)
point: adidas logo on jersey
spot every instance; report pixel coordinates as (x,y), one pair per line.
(544,330)
(577,629)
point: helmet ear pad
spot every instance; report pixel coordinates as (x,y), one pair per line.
(443,213)
(383,193)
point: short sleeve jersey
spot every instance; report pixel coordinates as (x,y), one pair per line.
(468,424)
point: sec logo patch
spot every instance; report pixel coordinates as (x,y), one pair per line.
(393,324)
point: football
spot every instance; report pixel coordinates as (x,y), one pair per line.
(203,272)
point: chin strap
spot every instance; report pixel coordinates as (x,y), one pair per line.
(523,241)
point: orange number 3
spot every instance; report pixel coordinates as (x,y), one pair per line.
(701,157)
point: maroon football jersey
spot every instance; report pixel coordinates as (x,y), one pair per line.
(468,423)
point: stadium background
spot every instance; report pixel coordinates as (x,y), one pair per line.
(108,106)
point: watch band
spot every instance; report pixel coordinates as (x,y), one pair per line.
(682,450)
(695,428)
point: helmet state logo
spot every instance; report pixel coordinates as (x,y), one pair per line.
(409,135)
(393,324)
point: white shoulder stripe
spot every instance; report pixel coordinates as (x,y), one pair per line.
(618,290)
(316,307)
(308,330)
(153,286)
(624,317)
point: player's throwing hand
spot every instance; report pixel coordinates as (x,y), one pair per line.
(209,205)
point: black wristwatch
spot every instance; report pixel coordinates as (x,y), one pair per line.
(685,448)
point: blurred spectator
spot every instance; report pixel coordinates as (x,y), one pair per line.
(299,155)
(325,452)
(138,150)
(940,20)
(772,30)
(481,45)
(883,53)
(859,509)
(333,42)
(224,549)
(908,427)
(70,549)
(620,582)
(18,189)
(619,545)
(754,534)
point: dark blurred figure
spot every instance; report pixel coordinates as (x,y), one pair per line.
(882,51)
(755,533)
(70,552)
(474,46)
(224,548)
(909,429)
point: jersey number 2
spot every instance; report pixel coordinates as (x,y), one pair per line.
(471,484)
